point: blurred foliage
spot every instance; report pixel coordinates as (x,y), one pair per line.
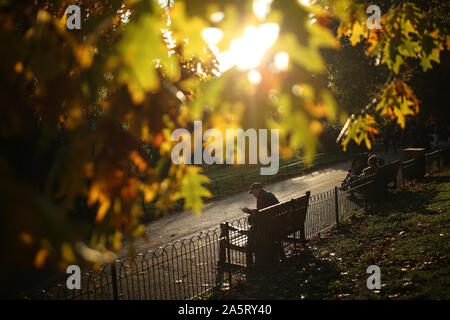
(86,115)
(412,33)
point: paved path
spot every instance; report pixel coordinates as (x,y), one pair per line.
(184,224)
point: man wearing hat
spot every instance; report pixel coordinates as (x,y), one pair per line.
(264,199)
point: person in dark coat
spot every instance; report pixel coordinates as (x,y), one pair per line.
(264,199)
(272,252)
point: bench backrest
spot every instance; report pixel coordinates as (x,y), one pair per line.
(280,220)
(388,172)
(409,169)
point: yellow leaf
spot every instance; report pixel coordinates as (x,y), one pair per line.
(84,55)
(357,32)
(117,241)
(368,144)
(67,253)
(192,190)
(316,127)
(104,206)
(149,192)
(140,230)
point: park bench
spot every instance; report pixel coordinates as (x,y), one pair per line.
(277,223)
(374,187)
(388,174)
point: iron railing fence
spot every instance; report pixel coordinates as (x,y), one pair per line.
(434,160)
(187,268)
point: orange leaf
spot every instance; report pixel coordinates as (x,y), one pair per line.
(40,258)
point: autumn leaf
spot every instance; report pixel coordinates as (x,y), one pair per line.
(192,190)
(40,258)
(97,194)
(67,253)
(357,32)
(361,128)
(397,101)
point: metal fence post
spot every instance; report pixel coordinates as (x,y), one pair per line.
(366,197)
(114,281)
(227,237)
(403,174)
(336,204)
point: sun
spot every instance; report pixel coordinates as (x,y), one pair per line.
(245,52)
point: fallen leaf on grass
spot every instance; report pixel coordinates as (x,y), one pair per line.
(406,284)
(420,224)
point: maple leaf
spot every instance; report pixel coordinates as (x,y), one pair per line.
(357,32)
(361,129)
(192,190)
(397,101)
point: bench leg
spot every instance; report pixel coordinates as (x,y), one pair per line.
(220,262)
(248,258)
(302,229)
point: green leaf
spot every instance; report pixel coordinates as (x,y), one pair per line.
(208,95)
(187,31)
(321,37)
(143,51)
(305,56)
(294,128)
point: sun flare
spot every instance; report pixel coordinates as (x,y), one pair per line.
(245,52)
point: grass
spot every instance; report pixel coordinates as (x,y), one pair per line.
(407,236)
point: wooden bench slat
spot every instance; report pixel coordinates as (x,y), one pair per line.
(231,266)
(236,248)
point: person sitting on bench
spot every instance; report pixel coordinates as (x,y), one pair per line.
(373,166)
(264,199)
